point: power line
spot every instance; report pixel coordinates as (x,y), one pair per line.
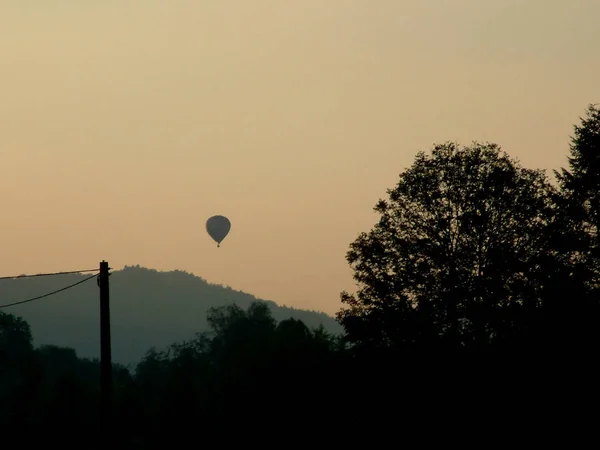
(48,274)
(49,293)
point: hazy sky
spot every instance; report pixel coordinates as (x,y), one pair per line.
(125,124)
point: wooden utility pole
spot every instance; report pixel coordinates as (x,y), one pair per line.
(105,352)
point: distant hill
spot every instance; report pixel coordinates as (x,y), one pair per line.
(148,309)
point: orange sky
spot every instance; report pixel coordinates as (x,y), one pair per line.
(126,124)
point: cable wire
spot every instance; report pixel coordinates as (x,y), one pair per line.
(49,274)
(49,293)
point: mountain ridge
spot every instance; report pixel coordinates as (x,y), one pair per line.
(149,309)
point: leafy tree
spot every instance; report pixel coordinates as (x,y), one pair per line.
(17,370)
(458,255)
(248,368)
(15,336)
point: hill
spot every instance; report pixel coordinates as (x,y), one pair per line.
(148,309)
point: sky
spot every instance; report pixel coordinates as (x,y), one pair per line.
(125,124)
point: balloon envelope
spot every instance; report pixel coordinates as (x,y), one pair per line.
(218,228)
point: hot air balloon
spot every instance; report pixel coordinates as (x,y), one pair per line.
(218,228)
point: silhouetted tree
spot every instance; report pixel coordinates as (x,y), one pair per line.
(457,258)
(574,304)
(15,337)
(245,369)
(18,373)
(580,186)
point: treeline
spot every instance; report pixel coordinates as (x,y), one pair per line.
(248,369)
(478,300)
(148,308)
(474,252)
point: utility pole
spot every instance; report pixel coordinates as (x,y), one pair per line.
(105,353)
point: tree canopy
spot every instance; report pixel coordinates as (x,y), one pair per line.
(462,255)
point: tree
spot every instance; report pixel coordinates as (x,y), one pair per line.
(572,327)
(241,336)
(17,374)
(457,256)
(580,187)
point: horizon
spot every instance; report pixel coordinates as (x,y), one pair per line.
(127,126)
